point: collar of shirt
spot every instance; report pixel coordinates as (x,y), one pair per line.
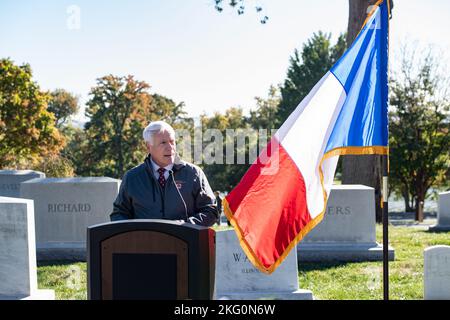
(156,167)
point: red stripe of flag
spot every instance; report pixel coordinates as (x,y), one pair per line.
(269,206)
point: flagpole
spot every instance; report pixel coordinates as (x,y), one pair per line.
(385,160)
(385,229)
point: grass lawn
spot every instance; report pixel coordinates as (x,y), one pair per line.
(364,280)
(334,281)
(68,279)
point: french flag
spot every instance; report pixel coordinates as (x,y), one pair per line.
(284,193)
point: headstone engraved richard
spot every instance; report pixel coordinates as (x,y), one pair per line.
(10,181)
(237,278)
(64,208)
(437,273)
(69,207)
(443,223)
(18,272)
(348,229)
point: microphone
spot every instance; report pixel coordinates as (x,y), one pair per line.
(179,193)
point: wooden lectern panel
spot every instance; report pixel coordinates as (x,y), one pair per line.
(144,242)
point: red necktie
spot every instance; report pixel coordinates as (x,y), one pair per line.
(161,180)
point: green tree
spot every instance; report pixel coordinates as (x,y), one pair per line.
(419,130)
(226,176)
(264,116)
(56,166)
(27,131)
(63,104)
(75,149)
(166,109)
(306,69)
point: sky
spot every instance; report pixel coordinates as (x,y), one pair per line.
(185,49)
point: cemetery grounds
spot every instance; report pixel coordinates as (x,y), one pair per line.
(327,281)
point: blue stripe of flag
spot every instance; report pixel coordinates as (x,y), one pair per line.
(362,71)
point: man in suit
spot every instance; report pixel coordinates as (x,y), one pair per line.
(163,186)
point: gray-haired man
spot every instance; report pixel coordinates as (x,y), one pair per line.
(164,187)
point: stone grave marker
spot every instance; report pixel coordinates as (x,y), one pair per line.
(18,272)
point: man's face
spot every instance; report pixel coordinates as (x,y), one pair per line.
(163,149)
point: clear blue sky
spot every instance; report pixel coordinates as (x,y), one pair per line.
(185,49)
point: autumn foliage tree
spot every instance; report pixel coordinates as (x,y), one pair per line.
(119,109)
(62,104)
(27,129)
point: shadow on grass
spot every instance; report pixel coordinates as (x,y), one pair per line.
(437,231)
(320,266)
(46,263)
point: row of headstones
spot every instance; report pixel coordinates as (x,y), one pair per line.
(65,207)
(443,223)
(236,278)
(42,219)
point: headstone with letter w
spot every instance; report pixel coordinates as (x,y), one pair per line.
(237,278)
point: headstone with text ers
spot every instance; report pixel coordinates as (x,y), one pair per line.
(437,273)
(18,273)
(237,278)
(64,208)
(348,229)
(443,223)
(10,181)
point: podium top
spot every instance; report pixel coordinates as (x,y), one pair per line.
(146,224)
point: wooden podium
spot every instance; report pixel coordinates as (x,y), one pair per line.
(150,260)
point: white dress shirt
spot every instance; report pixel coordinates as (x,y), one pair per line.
(156,167)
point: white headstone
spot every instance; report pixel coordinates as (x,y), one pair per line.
(437,273)
(348,229)
(443,223)
(10,181)
(64,208)
(237,278)
(18,274)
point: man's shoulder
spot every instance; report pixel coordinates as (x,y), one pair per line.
(135,171)
(190,167)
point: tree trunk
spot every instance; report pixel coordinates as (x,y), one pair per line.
(421,192)
(408,201)
(367,169)
(357,15)
(361,169)
(419,209)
